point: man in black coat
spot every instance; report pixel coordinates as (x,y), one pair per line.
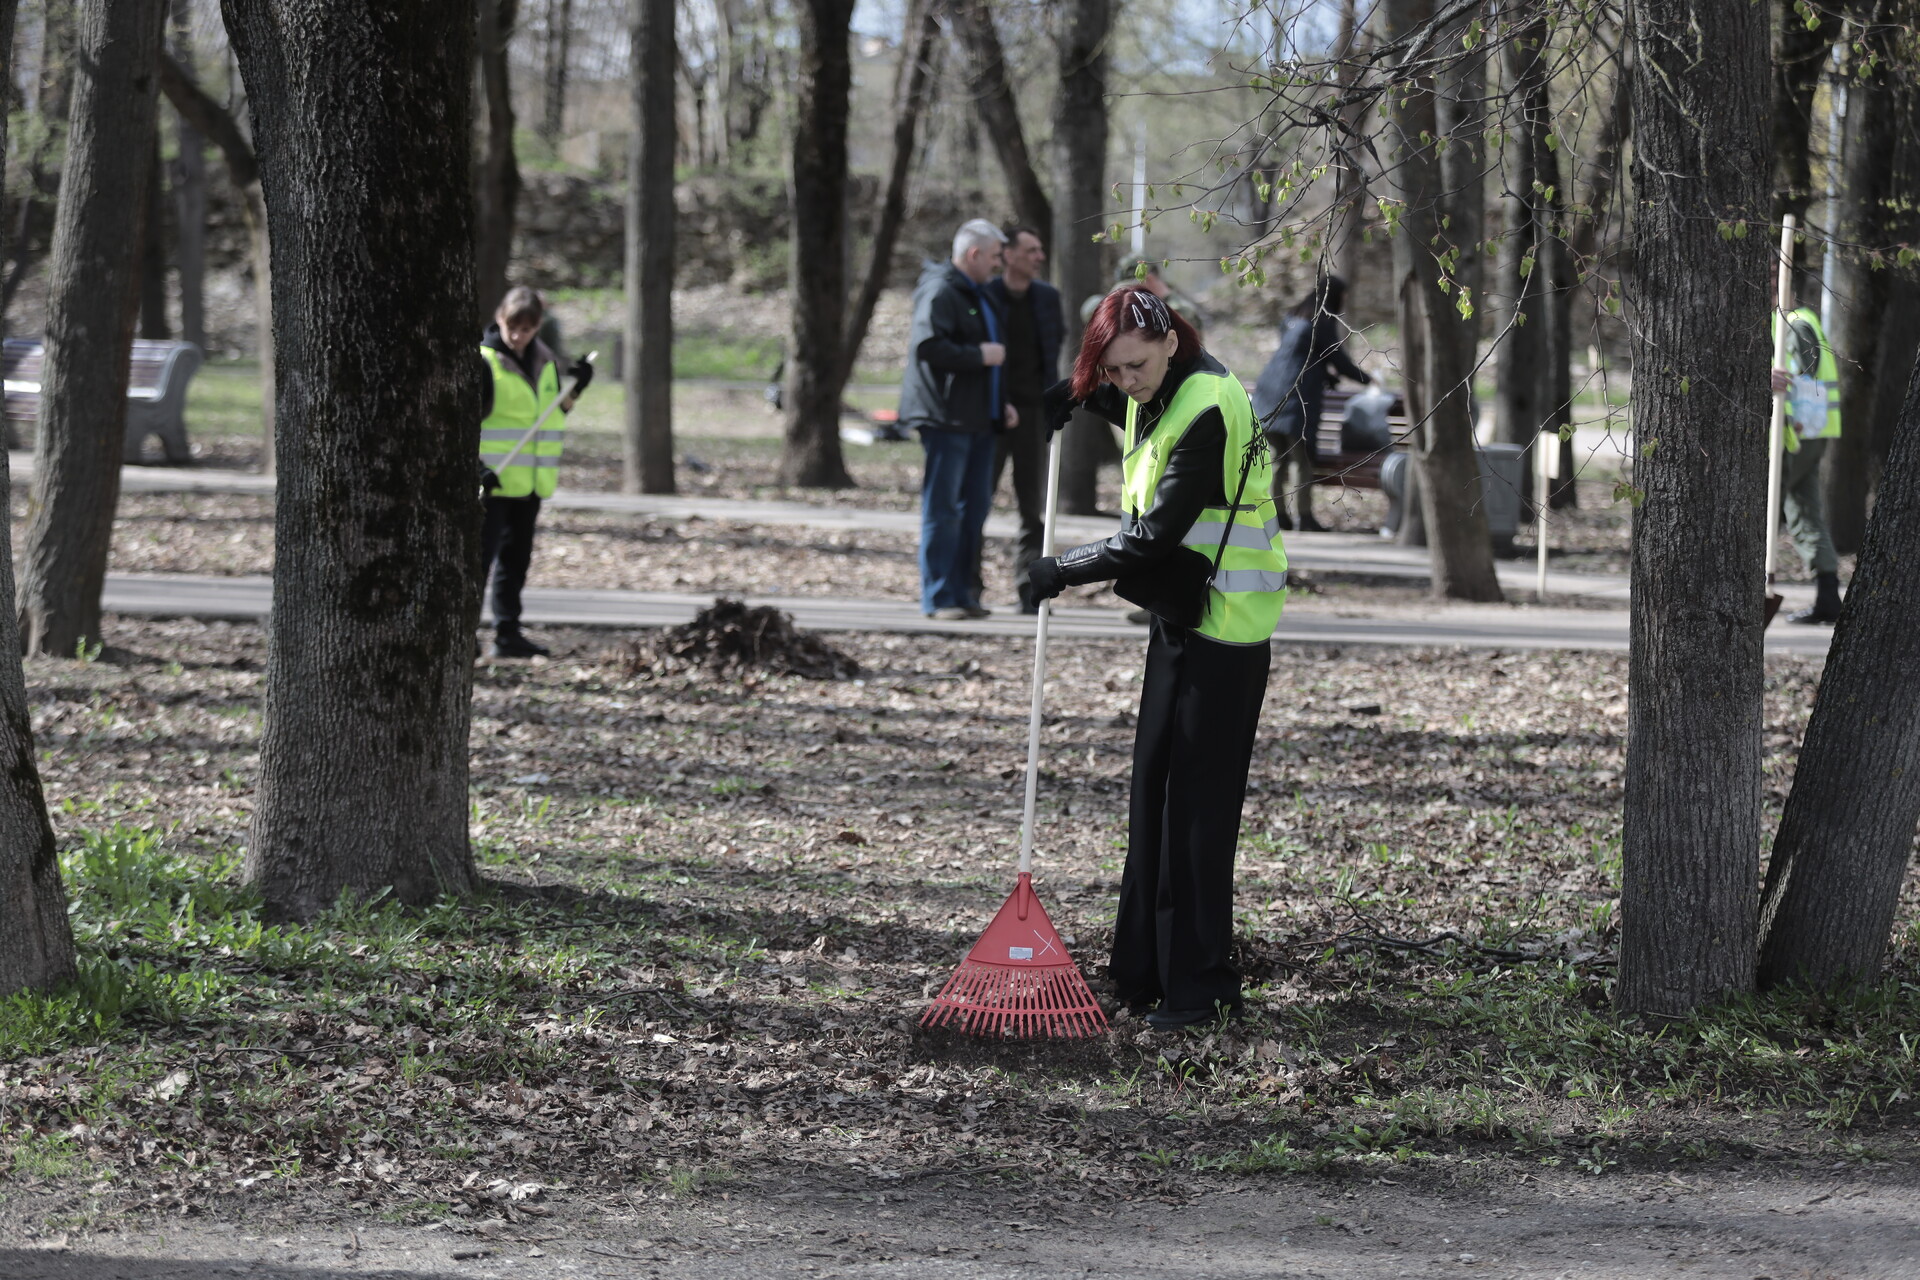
(1034,330)
(953,395)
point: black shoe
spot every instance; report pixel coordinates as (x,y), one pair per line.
(1825,609)
(511,644)
(1174,1019)
(1028,604)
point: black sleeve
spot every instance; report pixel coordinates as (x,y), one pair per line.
(1342,364)
(1190,484)
(1107,402)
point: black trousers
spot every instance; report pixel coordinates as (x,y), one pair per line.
(506,549)
(1199,707)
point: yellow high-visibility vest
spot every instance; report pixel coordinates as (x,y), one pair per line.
(536,468)
(1827,374)
(1249,590)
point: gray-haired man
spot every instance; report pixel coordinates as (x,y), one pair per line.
(952,395)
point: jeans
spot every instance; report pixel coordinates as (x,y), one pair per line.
(954,499)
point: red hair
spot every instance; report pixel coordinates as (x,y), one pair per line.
(1128,309)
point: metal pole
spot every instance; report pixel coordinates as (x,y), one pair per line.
(1543,444)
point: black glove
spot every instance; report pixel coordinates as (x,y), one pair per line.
(489,479)
(1057,405)
(582,373)
(1044,579)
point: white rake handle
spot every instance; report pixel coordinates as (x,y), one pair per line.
(540,421)
(1039,663)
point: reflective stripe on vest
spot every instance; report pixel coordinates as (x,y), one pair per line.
(1827,373)
(1249,589)
(536,468)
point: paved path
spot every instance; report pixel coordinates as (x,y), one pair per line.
(1353,553)
(1472,626)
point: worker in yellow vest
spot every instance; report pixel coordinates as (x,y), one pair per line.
(1811,383)
(517,470)
(1200,551)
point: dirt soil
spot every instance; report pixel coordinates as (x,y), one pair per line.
(1746,1225)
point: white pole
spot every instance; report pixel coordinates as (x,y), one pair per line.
(1541,444)
(1783,301)
(1039,661)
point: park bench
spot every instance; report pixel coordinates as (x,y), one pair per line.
(1334,466)
(156,392)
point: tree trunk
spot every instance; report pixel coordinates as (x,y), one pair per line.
(1080,127)
(1519,407)
(190,211)
(92,298)
(1460,110)
(1799,53)
(910,93)
(992,91)
(1846,837)
(362,117)
(218,126)
(153,249)
(648,367)
(1449,472)
(36,942)
(1860,301)
(498,189)
(1697,309)
(816,356)
(1348,215)
(553,115)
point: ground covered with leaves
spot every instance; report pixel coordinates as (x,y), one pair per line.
(717,903)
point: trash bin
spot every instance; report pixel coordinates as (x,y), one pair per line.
(1502,472)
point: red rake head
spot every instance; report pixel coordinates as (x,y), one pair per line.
(1018,980)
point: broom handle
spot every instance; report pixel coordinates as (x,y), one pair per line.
(1039,663)
(1782,300)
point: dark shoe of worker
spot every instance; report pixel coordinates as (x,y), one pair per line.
(1139,617)
(1309,525)
(1164,1019)
(1028,604)
(512,644)
(979,611)
(951,613)
(1826,602)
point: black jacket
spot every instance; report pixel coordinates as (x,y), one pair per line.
(1193,481)
(946,385)
(1293,385)
(1048,320)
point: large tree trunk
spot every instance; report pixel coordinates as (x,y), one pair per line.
(92,297)
(553,113)
(1521,387)
(362,117)
(1697,313)
(648,367)
(1860,299)
(1455,521)
(910,93)
(992,91)
(497,190)
(1460,109)
(1846,837)
(36,943)
(816,356)
(153,249)
(1080,127)
(213,121)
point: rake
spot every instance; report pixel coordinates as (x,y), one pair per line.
(1019,981)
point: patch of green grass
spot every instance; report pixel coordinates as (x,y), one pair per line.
(693,1180)
(224,399)
(47,1155)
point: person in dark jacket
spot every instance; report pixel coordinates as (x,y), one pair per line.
(1198,546)
(1034,327)
(953,396)
(1287,399)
